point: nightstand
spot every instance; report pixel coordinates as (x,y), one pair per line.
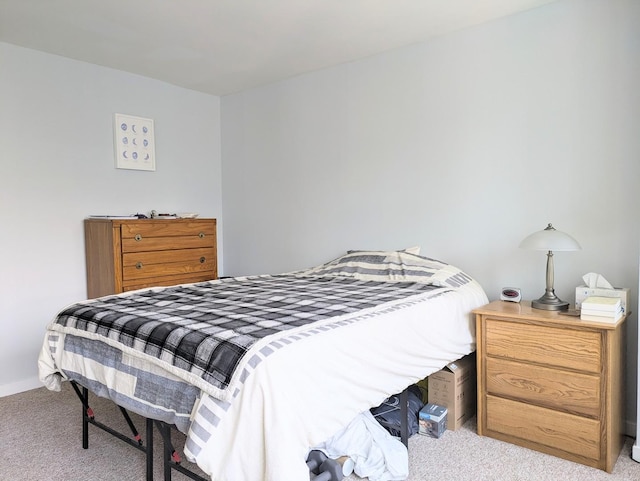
(550,382)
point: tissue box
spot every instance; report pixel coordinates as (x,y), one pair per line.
(582,292)
(432,420)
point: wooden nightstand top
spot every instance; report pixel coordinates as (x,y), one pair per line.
(523,310)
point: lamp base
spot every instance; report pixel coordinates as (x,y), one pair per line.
(550,302)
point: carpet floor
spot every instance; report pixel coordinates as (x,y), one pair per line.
(40,435)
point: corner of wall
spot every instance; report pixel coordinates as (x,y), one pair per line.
(21,386)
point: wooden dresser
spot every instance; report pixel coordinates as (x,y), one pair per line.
(550,382)
(127,254)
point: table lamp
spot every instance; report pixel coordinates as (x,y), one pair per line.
(550,240)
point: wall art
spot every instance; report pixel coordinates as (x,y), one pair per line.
(135,146)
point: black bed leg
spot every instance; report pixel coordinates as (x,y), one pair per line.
(85,418)
(165,432)
(171,459)
(136,442)
(86,412)
(149,451)
(404,422)
(134,431)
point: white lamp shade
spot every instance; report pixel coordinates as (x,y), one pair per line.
(550,239)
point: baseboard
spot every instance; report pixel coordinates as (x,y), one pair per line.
(635,451)
(21,386)
(631,432)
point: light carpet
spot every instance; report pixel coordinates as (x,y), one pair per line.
(40,434)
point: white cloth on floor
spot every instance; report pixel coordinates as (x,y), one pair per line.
(377,455)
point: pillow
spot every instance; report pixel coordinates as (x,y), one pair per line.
(392,266)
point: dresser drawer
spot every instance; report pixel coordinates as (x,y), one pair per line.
(142,265)
(557,389)
(166,235)
(557,430)
(570,349)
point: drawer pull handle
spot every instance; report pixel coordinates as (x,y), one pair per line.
(201,235)
(138,265)
(202,259)
(138,237)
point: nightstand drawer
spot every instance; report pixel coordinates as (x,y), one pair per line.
(567,391)
(559,431)
(565,348)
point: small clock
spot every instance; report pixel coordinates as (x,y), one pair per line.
(511,294)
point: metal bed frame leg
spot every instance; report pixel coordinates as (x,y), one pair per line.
(404,412)
(85,418)
(171,459)
(87,413)
(134,431)
(149,452)
(88,417)
(165,432)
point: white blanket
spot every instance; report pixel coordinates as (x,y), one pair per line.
(307,392)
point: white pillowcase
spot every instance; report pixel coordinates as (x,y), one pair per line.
(413,250)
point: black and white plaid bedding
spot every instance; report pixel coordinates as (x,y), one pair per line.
(206,328)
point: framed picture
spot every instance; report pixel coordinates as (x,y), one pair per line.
(135,146)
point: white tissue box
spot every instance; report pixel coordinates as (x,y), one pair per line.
(582,292)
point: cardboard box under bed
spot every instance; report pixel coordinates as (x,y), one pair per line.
(454,387)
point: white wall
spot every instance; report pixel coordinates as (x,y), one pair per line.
(463,145)
(57,167)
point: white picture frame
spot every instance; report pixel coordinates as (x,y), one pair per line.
(134,143)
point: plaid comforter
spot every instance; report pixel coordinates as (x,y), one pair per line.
(205,329)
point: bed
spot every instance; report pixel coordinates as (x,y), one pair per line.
(258,370)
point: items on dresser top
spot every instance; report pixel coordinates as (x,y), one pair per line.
(152,215)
